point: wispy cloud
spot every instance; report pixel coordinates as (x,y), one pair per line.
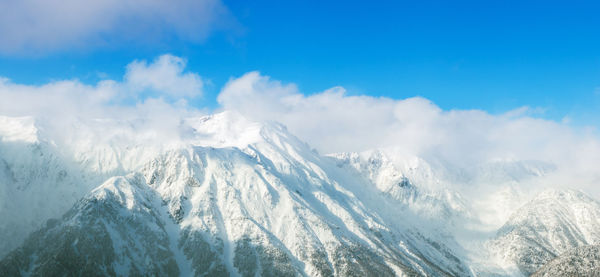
(34,26)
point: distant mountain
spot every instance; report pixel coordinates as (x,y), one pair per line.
(412,183)
(553,223)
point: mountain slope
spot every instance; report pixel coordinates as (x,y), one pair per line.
(37,182)
(411,182)
(581,261)
(116,230)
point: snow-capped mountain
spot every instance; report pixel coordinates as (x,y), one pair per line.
(236,198)
(220,195)
(551,224)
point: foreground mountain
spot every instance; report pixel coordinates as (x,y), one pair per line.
(237,199)
(114,230)
(553,223)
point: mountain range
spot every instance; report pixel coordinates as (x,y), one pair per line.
(221,195)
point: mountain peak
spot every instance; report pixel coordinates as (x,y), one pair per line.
(225,129)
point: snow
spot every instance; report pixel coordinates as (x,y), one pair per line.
(226,129)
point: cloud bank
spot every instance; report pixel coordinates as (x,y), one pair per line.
(33,26)
(155,96)
(332,121)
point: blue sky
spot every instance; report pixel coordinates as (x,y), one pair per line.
(490,55)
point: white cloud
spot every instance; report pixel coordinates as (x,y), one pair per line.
(335,122)
(165,75)
(31,26)
(58,101)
